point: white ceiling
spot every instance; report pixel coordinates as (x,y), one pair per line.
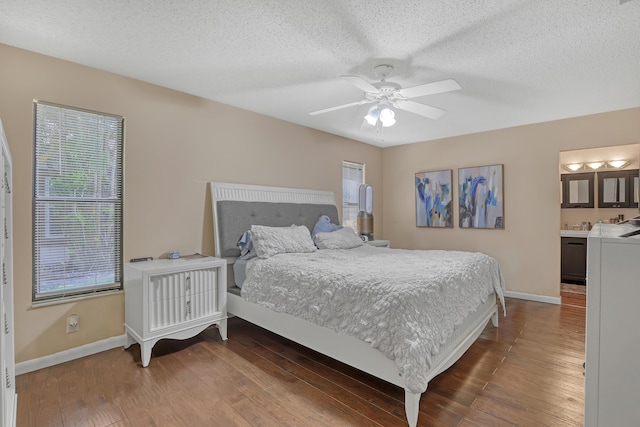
(518,62)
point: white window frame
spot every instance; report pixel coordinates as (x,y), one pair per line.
(350,191)
(81,254)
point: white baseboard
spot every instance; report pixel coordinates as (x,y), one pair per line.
(71,354)
(533,297)
(120,341)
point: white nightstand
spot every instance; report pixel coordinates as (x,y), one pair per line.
(173,298)
(379,243)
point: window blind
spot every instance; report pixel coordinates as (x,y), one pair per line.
(77,201)
(352,178)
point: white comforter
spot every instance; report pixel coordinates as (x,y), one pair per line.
(405,303)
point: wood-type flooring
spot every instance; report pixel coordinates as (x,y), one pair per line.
(527,372)
(573,294)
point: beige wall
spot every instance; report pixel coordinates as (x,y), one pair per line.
(175,143)
(528,249)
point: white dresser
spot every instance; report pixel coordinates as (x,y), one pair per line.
(173,298)
(612,376)
(8,397)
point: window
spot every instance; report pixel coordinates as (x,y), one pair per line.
(352,178)
(77,202)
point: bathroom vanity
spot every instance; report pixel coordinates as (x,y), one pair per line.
(573,255)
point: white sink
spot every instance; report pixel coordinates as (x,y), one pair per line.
(574,233)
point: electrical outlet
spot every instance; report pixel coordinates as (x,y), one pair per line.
(73,323)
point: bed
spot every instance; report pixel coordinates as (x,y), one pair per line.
(236,207)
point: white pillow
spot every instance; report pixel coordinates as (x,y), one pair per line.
(270,241)
(345,238)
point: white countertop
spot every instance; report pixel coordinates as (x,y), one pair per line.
(574,233)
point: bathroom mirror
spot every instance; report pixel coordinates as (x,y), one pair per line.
(618,189)
(613,190)
(577,190)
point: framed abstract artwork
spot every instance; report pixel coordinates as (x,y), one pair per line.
(481,197)
(434,206)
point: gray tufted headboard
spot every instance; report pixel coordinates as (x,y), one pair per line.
(236,207)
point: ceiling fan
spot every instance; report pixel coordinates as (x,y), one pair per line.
(384,95)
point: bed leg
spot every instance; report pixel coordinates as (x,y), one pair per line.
(411,407)
(222,328)
(494,318)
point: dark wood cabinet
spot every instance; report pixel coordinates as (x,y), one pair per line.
(618,189)
(577,190)
(573,266)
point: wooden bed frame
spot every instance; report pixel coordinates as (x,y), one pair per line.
(346,349)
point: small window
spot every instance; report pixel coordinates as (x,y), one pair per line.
(77,202)
(352,178)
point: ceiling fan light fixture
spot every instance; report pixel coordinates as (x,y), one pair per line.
(373,115)
(384,94)
(381,113)
(387,116)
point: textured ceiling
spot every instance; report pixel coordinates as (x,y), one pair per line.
(518,62)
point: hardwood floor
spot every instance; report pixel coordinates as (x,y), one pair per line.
(573,295)
(526,372)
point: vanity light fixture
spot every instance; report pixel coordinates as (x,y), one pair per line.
(573,167)
(617,164)
(595,165)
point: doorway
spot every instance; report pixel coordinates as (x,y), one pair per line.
(576,218)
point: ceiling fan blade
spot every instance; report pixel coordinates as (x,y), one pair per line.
(361,83)
(431,88)
(420,109)
(339,107)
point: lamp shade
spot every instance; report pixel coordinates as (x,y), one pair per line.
(372,116)
(387,116)
(365,198)
(365,212)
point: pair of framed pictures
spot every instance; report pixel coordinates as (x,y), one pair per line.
(480,198)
